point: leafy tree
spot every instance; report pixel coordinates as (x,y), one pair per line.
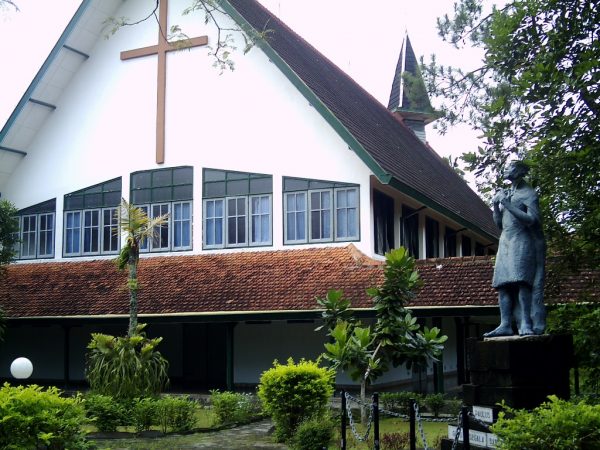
(9,228)
(535,97)
(581,321)
(138,228)
(396,338)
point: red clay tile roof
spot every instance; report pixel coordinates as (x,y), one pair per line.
(241,282)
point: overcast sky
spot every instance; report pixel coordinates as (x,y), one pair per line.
(362,37)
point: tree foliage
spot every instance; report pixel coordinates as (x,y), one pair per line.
(396,338)
(9,228)
(536,96)
(138,228)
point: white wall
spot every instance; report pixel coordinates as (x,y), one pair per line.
(250,120)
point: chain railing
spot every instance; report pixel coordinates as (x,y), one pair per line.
(414,418)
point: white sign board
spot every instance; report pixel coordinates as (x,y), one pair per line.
(492,440)
(484,414)
(475,437)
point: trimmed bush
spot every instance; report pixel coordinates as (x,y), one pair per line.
(31,418)
(104,411)
(144,414)
(176,414)
(313,434)
(435,403)
(555,425)
(399,402)
(234,407)
(293,392)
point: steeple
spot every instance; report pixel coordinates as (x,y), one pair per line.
(408,97)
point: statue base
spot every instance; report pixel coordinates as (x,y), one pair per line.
(521,370)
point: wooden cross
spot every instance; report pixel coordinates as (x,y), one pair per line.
(161,50)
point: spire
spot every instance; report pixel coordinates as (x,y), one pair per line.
(408,97)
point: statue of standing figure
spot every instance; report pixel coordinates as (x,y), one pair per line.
(519,270)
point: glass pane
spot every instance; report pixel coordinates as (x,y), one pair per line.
(352,197)
(73,202)
(183,175)
(237,176)
(141,180)
(342,218)
(341,199)
(186,234)
(213,175)
(114,185)
(301,202)
(241,206)
(294,184)
(210,209)
(300,226)
(214,190)
(241,230)
(256,229)
(326,224)
(231,229)
(186,211)
(315,223)
(219,208)
(210,232)
(177,235)
(161,194)
(218,231)
(238,187)
(326,200)
(177,211)
(316,184)
(261,185)
(142,196)
(315,200)
(93,190)
(353,222)
(183,192)
(264,228)
(162,178)
(112,198)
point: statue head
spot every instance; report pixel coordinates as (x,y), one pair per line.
(516,170)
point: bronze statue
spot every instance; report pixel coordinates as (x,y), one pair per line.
(519,269)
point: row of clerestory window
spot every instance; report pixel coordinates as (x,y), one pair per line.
(237,212)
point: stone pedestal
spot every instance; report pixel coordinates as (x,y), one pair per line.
(522,371)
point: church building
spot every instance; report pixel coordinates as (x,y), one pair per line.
(282,179)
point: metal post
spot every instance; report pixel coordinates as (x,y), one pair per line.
(376,420)
(465,424)
(413,434)
(343,443)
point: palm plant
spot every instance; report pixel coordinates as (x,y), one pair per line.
(138,228)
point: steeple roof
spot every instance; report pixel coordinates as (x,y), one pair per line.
(409,95)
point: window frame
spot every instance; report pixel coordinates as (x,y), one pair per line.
(224,186)
(100,228)
(309,187)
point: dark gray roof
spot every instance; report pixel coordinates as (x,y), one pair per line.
(390,149)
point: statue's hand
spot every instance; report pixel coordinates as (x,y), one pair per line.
(499,197)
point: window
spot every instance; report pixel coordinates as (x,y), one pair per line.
(479,249)
(383,212)
(466,246)
(237,209)
(450,242)
(320,211)
(90,220)
(166,192)
(36,231)
(409,230)
(432,237)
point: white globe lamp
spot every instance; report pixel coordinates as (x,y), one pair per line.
(21,368)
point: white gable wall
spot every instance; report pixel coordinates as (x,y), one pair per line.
(250,120)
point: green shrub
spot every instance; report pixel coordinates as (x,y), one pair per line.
(555,425)
(144,414)
(395,441)
(399,402)
(452,406)
(313,434)
(104,411)
(233,407)
(293,392)
(435,403)
(126,367)
(32,418)
(176,413)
